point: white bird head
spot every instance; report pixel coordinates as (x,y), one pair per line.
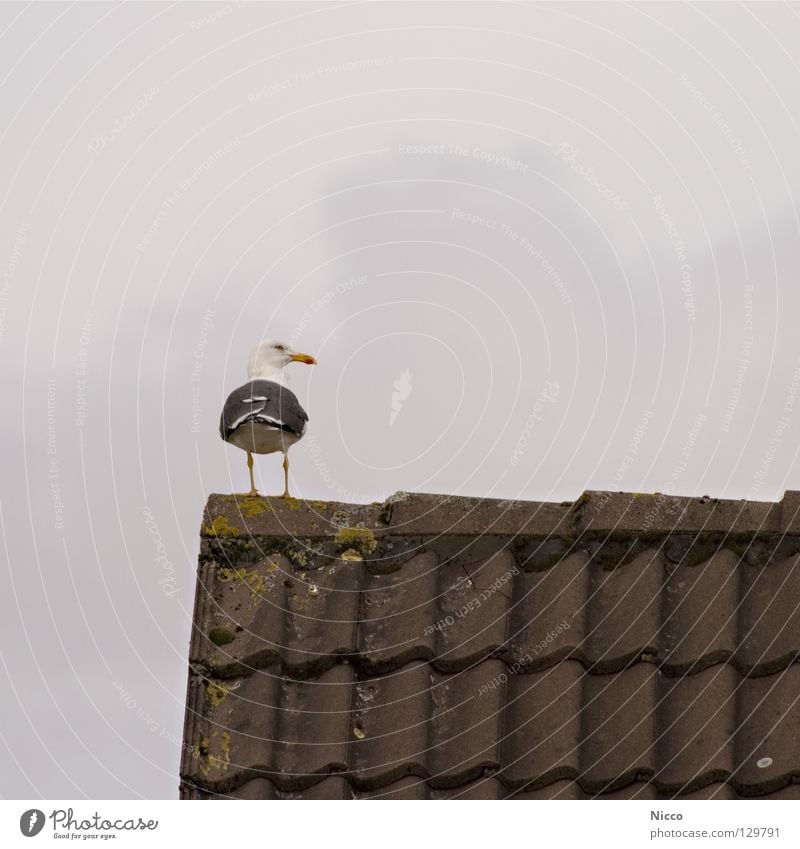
(269,358)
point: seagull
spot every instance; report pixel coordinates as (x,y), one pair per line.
(264,415)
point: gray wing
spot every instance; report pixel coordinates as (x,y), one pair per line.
(266,402)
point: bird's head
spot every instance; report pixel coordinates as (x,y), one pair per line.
(269,358)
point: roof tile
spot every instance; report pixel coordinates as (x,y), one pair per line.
(700,613)
(390,734)
(696,714)
(620,646)
(399,614)
(548,614)
(464,731)
(618,728)
(542,727)
(623,611)
(473,601)
(770,615)
(768,739)
(264,724)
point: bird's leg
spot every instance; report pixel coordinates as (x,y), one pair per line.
(253,490)
(285,476)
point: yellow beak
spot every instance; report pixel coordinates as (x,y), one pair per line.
(303,358)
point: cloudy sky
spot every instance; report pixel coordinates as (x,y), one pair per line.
(536,249)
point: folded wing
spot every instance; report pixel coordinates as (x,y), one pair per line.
(264,402)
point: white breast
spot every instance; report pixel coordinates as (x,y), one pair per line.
(261,438)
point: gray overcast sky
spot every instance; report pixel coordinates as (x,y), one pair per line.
(573,228)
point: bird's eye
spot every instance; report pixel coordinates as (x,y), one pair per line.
(280,347)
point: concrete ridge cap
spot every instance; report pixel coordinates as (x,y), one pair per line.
(597,511)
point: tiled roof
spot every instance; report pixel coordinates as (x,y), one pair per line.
(630,646)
